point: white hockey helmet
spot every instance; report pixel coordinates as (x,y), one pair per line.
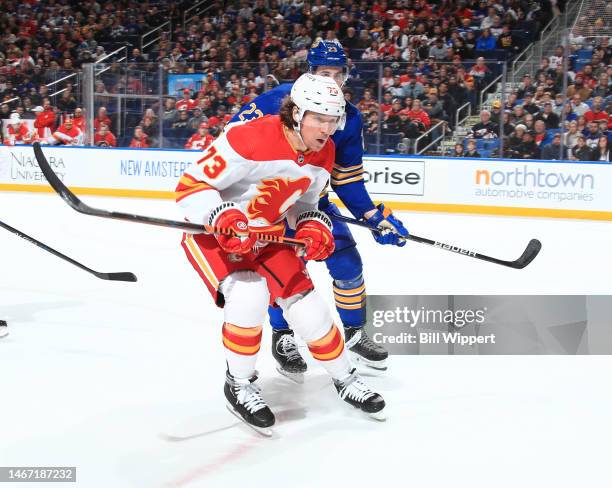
(319,94)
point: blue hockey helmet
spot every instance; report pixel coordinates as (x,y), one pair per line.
(326,53)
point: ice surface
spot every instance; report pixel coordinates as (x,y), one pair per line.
(125,380)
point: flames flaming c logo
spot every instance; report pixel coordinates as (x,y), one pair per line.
(276,196)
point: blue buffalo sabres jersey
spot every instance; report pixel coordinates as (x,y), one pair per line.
(347,174)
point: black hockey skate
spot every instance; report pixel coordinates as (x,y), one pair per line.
(245,402)
(3,328)
(355,392)
(364,350)
(289,362)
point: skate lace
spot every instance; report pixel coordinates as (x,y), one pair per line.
(288,347)
(355,389)
(249,395)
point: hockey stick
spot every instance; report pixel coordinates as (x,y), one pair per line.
(72,200)
(529,254)
(121,276)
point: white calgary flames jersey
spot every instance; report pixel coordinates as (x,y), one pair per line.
(255,166)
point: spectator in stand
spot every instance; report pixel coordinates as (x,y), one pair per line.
(438,50)
(419,117)
(508,125)
(386,102)
(197,119)
(433,106)
(67,103)
(104,137)
(457,151)
(529,106)
(486,42)
(518,115)
(471,149)
(187,102)
(581,151)
(506,40)
(170,112)
(516,137)
(102,118)
(486,128)
(18,132)
(571,136)
(413,89)
(602,151)
(556,59)
(603,88)
(183,119)
(528,121)
(592,134)
(371,123)
(540,133)
(550,119)
(392,119)
(368,102)
(67,134)
(140,139)
(579,87)
(597,112)
(578,106)
(387,78)
(552,151)
(78,120)
(201,139)
(45,121)
(479,71)
(526,87)
(528,149)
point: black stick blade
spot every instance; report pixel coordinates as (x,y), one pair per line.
(121,276)
(530,253)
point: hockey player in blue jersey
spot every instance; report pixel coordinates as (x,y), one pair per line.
(327,58)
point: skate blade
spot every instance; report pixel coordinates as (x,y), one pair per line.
(264,431)
(3,334)
(380,416)
(376,365)
(295,377)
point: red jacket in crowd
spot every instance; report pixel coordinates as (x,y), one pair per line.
(140,143)
(18,134)
(421,116)
(197,141)
(68,134)
(106,140)
(99,121)
(45,123)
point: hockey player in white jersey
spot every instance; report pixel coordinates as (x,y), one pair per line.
(259,177)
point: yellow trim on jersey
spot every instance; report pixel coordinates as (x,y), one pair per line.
(201,261)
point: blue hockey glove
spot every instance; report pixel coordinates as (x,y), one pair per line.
(392,229)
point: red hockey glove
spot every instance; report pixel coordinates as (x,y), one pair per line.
(229,216)
(316,229)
